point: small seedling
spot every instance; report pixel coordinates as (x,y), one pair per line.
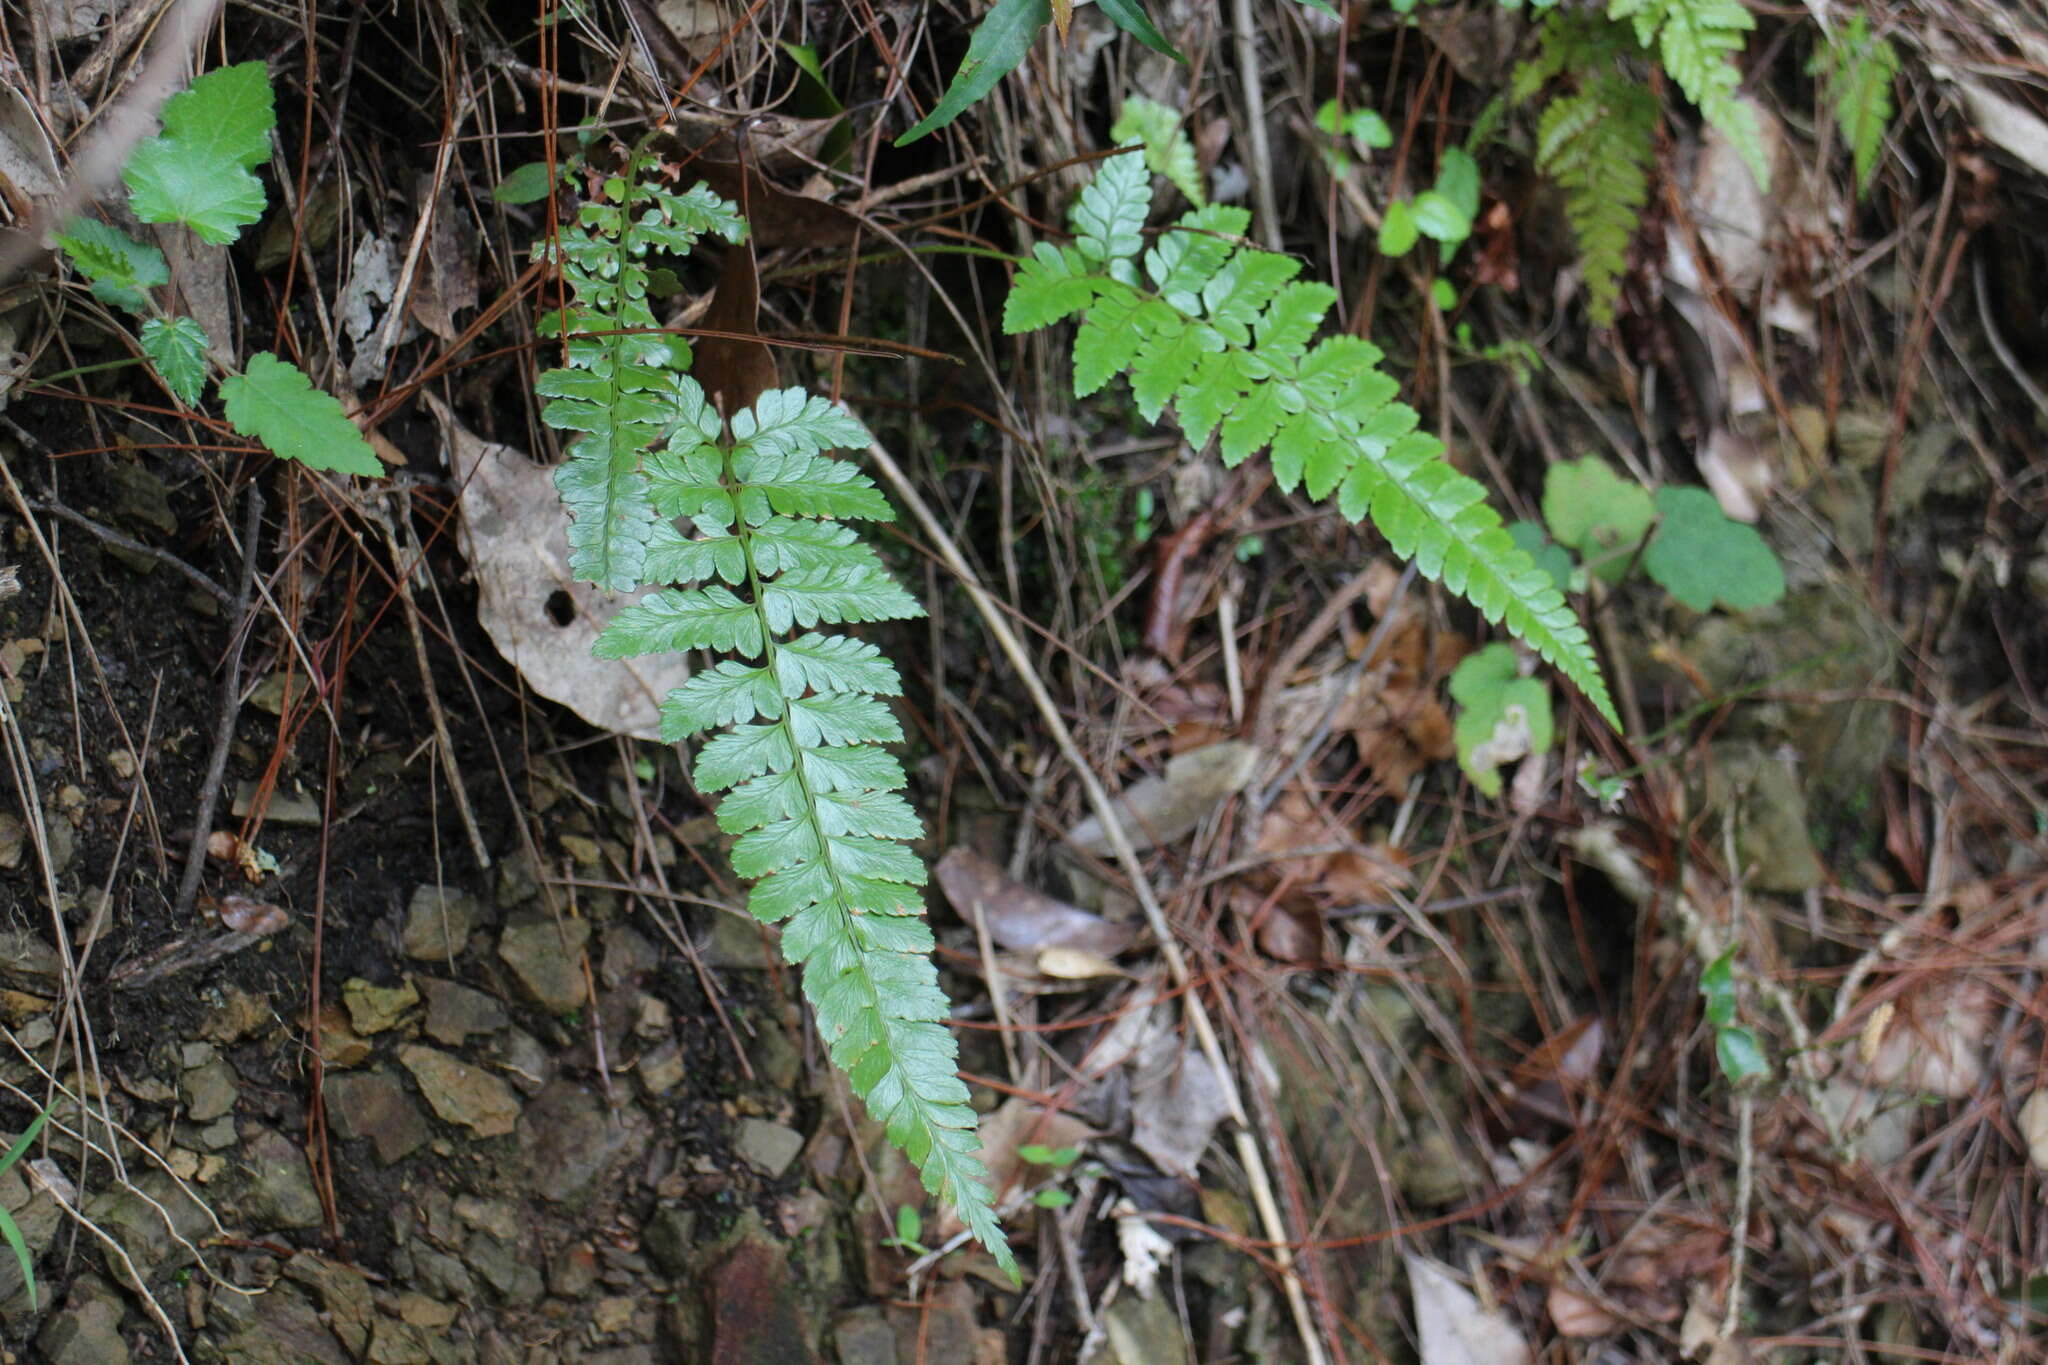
(8,1229)
(1740,1054)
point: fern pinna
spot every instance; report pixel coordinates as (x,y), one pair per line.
(1223,333)
(799,713)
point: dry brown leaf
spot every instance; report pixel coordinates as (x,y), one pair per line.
(1177,1099)
(734,370)
(1020,918)
(541,619)
(247,916)
(1935,1044)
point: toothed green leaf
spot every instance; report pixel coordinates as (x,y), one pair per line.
(197,171)
(177,347)
(273,401)
(118,266)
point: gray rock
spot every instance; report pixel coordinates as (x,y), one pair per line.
(454,1012)
(280,1193)
(437,923)
(342,1294)
(627,955)
(507,1269)
(372,1008)
(398,1343)
(87,1333)
(373,1106)
(209,1091)
(767,1147)
(441,1275)
(547,957)
(864,1337)
(570,1139)
(461,1093)
(26,962)
(671,1239)
(135,1219)
(572,1272)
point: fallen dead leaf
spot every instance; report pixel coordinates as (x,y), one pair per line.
(1177,1099)
(1020,918)
(1935,1043)
(247,916)
(1575,1315)
(1158,810)
(541,619)
(1075,964)
(2034,1128)
(1453,1327)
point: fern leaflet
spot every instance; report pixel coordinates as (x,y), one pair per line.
(798,714)
(1697,42)
(1222,335)
(1596,143)
(1859,68)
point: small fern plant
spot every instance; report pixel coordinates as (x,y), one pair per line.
(799,715)
(1224,332)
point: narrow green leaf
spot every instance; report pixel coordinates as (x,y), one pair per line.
(1130,16)
(999,43)
(524,184)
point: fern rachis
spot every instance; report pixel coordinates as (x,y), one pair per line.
(1223,335)
(810,792)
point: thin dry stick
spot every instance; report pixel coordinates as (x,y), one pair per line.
(1248,1153)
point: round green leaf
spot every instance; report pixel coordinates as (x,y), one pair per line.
(1703,558)
(1397,229)
(1439,219)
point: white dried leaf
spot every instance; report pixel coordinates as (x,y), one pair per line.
(1454,1328)
(1145,1251)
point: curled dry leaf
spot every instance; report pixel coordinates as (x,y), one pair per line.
(246,915)
(1576,1315)
(1022,919)
(1075,964)
(541,619)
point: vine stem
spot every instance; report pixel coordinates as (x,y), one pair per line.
(1248,1153)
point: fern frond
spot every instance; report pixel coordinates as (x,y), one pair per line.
(1596,143)
(619,389)
(813,797)
(1859,68)
(1697,42)
(1168,151)
(1224,340)
(798,713)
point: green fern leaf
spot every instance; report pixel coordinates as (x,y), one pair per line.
(1228,347)
(1859,68)
(1697,42)
(1109,216)
(1050,285)
(694,618)
(1597,144)
(1168,151)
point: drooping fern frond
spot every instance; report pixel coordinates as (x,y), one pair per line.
(1697,42)
(1223,332)
(1859,68)
(799,712)
(618,389)
(1596,143)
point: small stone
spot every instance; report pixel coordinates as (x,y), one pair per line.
(182,1164)
(613,1313)
(627,955)
(570,1139)
(18,1007)
(372,1009)
(372,1105)
(122,761)
(864,1337)
(219,1135)
(662,1069)
(398,1343)
(210,1167)
(195,1054)
(525,1058)
(13,840)
(236,1016)
(85,1334)
(281,1193)
(583,849)
(340,1044)
(671,1239)
(283,808)
(547,957)
(461,1093)
(572,1272)
(429,1315)
(757,1314)
(209,1091)
(437,923)
(651,1017)
(454,1012)
(767,1147)
(343,1294)
(27,963)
